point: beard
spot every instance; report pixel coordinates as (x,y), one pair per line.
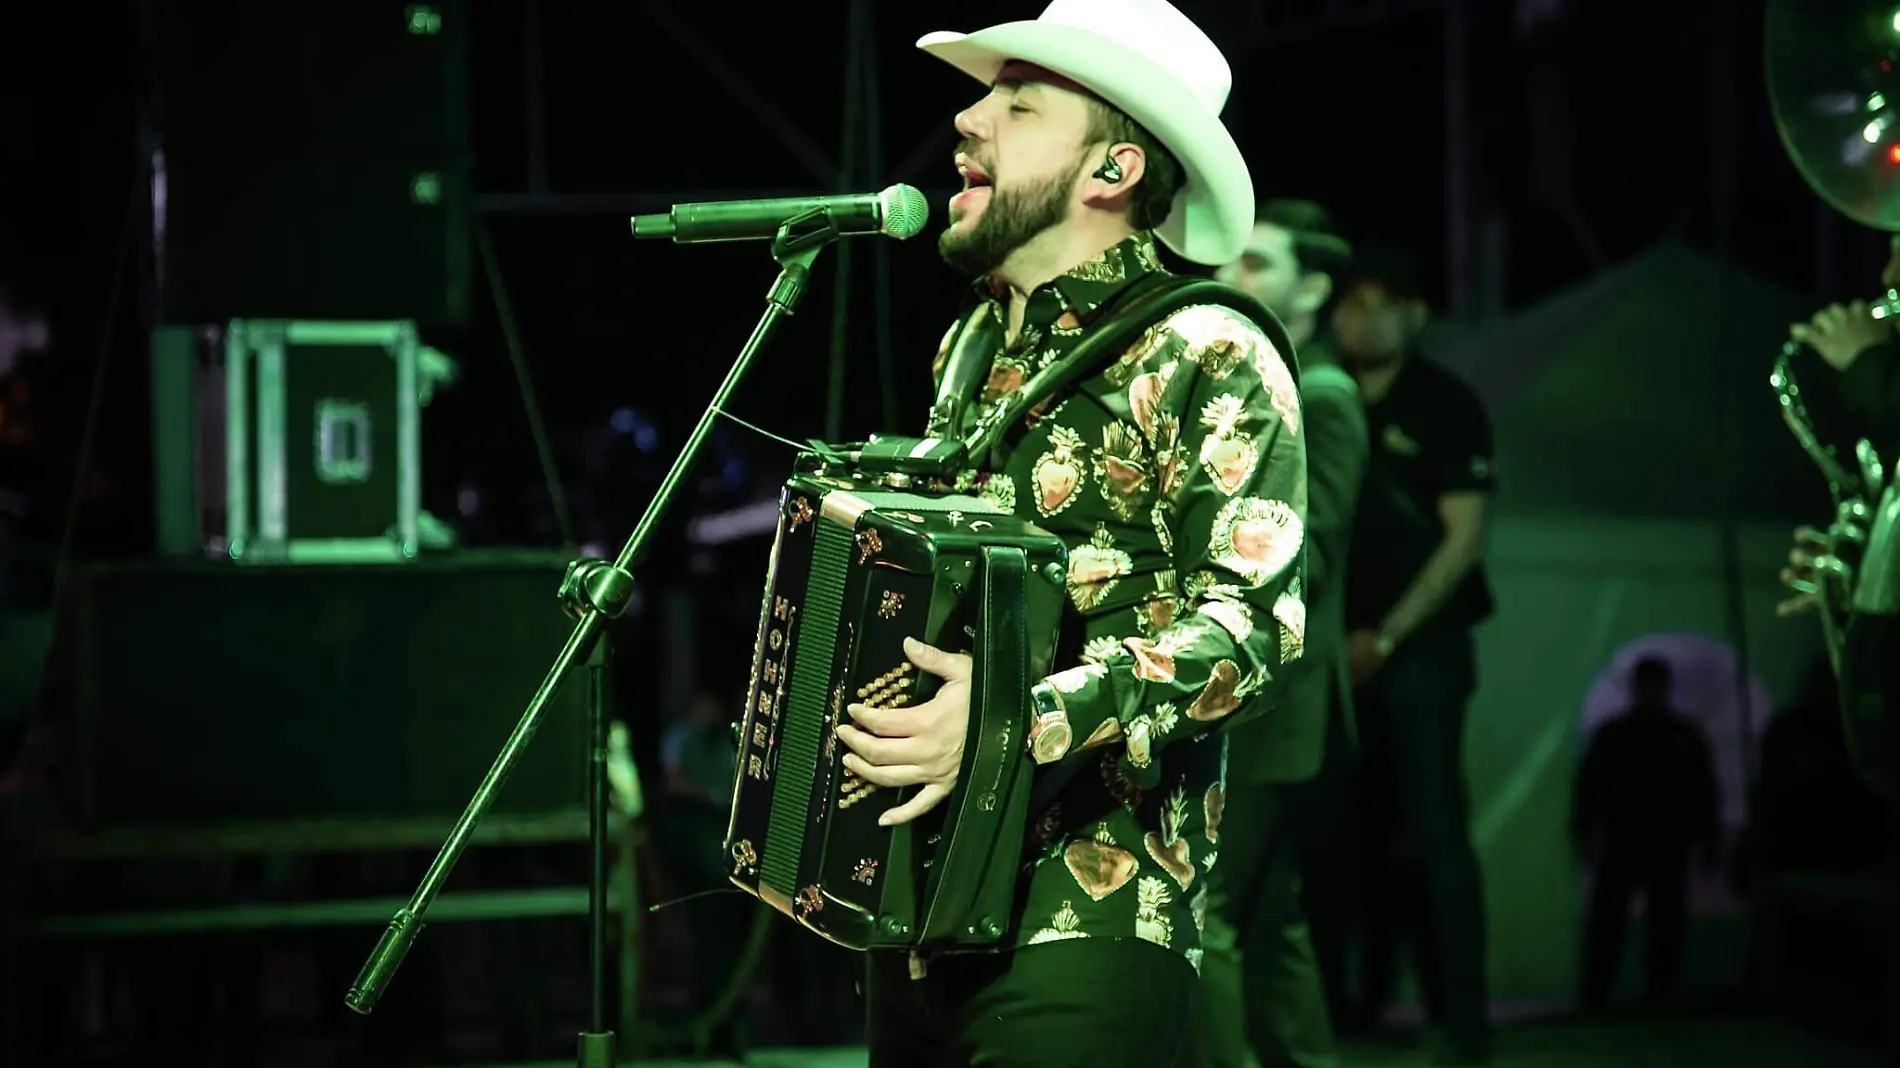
(1012,219)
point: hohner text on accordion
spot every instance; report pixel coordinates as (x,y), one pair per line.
(775,670)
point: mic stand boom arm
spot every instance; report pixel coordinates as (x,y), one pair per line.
(595,591)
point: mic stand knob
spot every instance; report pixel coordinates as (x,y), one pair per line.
(597,586)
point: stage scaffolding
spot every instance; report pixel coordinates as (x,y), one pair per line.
(858,160)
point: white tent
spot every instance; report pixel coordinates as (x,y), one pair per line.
(1647,487)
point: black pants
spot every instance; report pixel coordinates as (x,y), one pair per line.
(1260,985)
(1424,885)
(1328,817)
(1082,1003)
(1664,885)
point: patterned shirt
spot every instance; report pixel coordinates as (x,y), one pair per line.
(1177,477)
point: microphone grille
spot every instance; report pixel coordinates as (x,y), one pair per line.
(904,211)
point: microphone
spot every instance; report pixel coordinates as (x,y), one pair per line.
(900,212)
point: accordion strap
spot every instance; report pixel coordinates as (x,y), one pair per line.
(978,883)
(1113,327)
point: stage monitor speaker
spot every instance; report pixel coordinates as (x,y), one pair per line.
(213,694)
(310,160)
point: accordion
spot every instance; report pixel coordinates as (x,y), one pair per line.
(856,568)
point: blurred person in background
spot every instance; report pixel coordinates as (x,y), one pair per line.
(1811,811)
(1813,821)
(1646,805)
(1261,984)
(24,483)
(1417,590)
(698,758)
(23,334)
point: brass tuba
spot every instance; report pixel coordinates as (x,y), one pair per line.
(1833,73)
(1842,544)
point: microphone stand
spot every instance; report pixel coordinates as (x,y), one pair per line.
(594,591)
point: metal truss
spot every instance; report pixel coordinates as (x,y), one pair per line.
(1259,24)
(539,199)
(828,169)
(857,163)
(1263,24)
(859,159)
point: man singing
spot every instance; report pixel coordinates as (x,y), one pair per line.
(1175,472)
(1417,590)
(1261,984)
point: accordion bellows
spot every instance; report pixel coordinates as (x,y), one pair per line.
(854,571)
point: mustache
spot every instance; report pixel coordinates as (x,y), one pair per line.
(968,147)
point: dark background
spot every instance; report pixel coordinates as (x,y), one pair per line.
(1559,139)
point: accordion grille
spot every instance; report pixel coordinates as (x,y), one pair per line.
(806,717)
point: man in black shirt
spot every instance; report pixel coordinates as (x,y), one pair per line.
(1417,590)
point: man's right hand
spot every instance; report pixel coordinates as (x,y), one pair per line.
(1799,574)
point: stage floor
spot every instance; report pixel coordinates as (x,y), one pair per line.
(1566,1044)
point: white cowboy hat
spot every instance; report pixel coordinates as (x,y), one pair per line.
(1149,60)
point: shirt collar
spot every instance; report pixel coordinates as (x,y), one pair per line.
(1089,284)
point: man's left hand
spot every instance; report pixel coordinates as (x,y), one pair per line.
(1841,332)
(1809,545)
(1364,654)
(916,746)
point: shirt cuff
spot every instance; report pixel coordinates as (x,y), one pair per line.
(1084,700)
